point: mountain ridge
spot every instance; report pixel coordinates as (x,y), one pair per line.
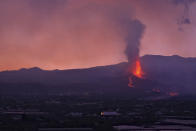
(164,73)
(143,57)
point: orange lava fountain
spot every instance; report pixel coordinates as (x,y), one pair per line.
(136,71)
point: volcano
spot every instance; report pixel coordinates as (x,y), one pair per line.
(164,76)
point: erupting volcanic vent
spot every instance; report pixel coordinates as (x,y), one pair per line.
(136,71)
(134,35)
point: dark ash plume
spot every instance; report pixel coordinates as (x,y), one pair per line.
(134,35)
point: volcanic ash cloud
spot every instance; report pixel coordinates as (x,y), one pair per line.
(134,35)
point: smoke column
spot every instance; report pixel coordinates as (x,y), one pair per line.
(67,34)
(134,35)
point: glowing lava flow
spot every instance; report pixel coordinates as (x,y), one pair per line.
(136,71)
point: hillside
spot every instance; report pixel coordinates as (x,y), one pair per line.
(164,73)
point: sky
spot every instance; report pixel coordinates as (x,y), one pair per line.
(66,34)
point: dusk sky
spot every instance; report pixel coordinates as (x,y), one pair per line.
(65,34)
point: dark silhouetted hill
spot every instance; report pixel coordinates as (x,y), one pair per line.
(164,73)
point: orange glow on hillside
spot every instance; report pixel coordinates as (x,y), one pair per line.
(173,93)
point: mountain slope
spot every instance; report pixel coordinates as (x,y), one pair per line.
(163,73)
